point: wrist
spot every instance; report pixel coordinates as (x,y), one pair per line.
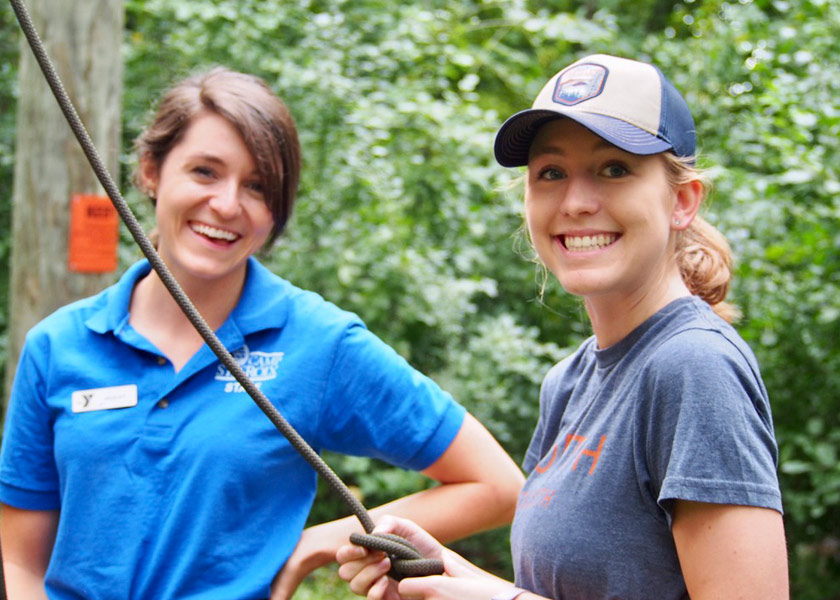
(317,546)
(511,593)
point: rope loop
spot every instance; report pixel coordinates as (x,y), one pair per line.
(406,560)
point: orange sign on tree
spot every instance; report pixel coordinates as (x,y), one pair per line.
(94,234)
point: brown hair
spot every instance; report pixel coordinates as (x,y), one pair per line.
(703,254)
(260,117)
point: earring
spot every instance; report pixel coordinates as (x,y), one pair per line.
(676,221)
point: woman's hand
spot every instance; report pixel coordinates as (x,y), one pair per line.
(462,581)
(366,570)
(450,588)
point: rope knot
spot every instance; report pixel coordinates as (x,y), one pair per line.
(406,560)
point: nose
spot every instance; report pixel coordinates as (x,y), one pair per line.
(579,196)
(226,200)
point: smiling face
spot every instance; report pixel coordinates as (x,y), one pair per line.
(210,209)
(601,219)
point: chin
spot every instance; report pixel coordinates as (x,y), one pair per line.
(584,286)
(574,279)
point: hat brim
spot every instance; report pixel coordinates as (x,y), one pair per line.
(514,138)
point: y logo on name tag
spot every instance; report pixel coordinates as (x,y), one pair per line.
(118,396)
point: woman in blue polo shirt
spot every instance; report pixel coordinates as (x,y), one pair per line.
(653,464)
(134,465)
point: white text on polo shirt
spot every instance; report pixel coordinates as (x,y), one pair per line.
(258,366)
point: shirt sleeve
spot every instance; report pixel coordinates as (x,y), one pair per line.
(28,474)
(708,424)
(377,405)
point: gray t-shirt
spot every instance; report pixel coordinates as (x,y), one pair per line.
(676,410)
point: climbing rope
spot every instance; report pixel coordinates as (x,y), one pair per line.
(406,560)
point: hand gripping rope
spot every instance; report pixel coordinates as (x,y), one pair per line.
(405,559)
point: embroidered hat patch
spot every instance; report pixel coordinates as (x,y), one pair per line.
(580,83)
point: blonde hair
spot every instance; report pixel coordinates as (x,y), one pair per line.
(703,255)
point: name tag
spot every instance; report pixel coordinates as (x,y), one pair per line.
(119,396)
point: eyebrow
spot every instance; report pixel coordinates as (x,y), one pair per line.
(205,156)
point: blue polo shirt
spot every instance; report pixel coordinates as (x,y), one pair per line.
(176,485)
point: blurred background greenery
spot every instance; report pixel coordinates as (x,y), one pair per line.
(404,218)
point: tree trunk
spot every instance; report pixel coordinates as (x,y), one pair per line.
(83,40)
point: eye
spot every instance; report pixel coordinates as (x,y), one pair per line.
(203,171)
(550,174)
(255,186)
(615,170)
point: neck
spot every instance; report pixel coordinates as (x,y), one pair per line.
(155,314)
(615,316)
(214,300)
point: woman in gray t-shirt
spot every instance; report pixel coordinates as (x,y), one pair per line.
(652,471)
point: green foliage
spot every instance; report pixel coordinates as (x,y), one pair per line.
(325,583)
(402,216)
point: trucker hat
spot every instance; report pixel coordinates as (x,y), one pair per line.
(626,102)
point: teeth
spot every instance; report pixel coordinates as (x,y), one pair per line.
(589,242)
(212,232)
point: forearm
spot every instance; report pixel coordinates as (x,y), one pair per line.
(455,510)
(458,566)
(27,538)
(479,486)
(448,512)
(22,584)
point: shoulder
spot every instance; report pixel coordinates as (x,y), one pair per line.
(70,319)
(562,378)
(704,368)
(307,304)
(81,323)
(270,300)
(572,363)
(61,336)
(701,343)
(98,314)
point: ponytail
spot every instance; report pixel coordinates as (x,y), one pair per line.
(705,262)
(703,255)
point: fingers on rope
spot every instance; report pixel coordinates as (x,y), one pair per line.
(406,560)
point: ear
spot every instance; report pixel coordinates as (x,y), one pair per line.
(148,175)
(689,196)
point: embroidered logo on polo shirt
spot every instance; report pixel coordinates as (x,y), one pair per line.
(580,83)
(258,366)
